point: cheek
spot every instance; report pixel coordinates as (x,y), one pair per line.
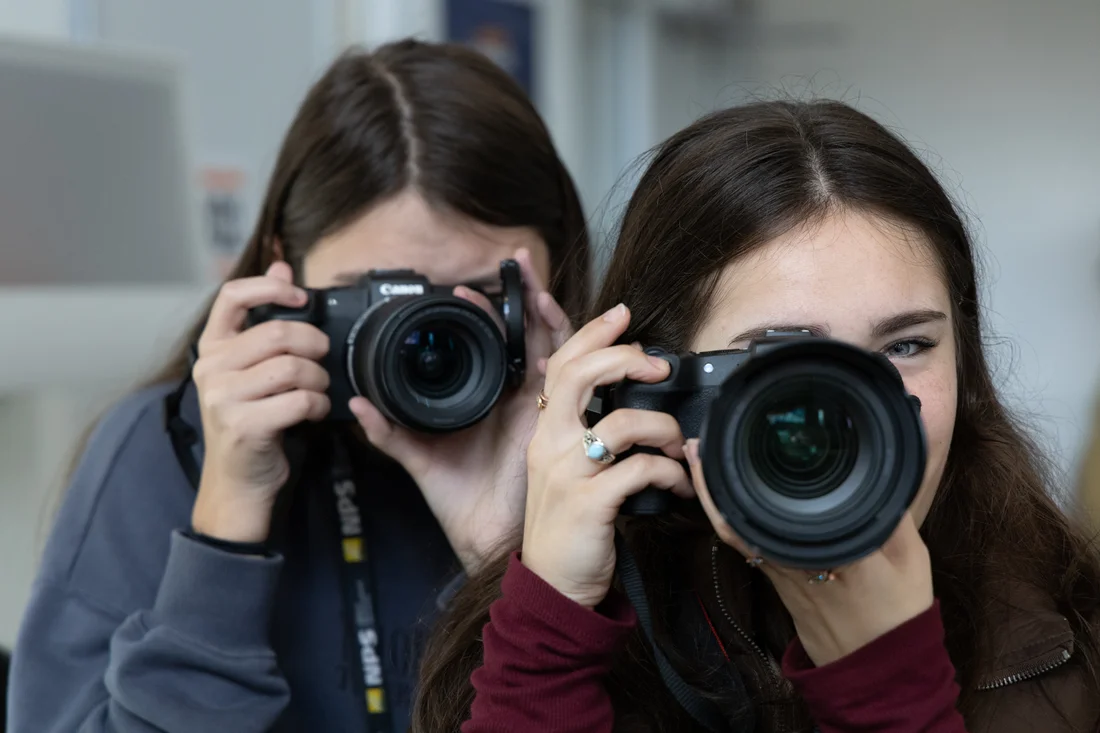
(938,402)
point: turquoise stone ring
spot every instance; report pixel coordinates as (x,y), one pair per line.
(595,450)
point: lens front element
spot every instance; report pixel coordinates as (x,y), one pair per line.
(802,443)
(436,360)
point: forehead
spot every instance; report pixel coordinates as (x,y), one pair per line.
(406,233)
(849,269)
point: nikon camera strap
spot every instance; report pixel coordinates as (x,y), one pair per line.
(359,591)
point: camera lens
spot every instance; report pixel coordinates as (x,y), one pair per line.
(436,360)
(432,363)
(812,451)
(802,444)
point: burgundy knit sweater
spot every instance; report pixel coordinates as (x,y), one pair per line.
(546,656)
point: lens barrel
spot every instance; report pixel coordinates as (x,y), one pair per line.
(432,364)
(812,451)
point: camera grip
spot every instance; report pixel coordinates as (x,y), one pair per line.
(272,312)
(650,500)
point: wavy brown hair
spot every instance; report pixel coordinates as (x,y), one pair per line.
(726,185)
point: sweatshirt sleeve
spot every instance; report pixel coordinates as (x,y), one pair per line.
(545,658)
(133,627)
(198,659)
(902,682)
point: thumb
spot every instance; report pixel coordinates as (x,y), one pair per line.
(393,440)
(725,533)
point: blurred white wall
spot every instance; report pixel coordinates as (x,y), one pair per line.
(249,63)
(40,18)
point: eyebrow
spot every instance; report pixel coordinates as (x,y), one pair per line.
(881,329)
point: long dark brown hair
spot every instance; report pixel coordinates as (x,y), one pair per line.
(440,118)
(712,193)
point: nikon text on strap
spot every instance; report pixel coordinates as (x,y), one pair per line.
(360,594)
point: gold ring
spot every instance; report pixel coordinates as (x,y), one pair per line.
(824,576)
(542,400)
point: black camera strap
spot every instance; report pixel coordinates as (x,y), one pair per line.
(359,591)
(357,579)
(705,712)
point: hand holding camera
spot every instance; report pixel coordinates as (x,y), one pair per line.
(437,377)
(253,383)
(856,603)
(806,453)
(574,491)
(475,480)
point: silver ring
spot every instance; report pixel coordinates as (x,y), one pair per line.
(595,450)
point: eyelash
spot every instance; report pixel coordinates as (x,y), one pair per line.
(921,344)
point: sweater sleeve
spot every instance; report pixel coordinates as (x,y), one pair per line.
(545,658)
(131,626)
(199,659)
(902,682)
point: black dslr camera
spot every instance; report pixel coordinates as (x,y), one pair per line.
(811,448)
(428,360)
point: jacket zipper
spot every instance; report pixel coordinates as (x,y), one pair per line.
(771,665)
(1029,673)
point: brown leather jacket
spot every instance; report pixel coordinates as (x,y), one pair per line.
(1034,684)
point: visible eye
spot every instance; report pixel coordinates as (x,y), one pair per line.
(908,348)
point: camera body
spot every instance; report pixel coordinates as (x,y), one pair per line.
(811,448)
(428,360)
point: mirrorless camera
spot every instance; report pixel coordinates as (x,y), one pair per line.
(811,448)
(427,359)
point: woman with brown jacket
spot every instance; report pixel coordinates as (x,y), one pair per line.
(975,607)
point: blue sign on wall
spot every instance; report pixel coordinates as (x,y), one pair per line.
(500,29)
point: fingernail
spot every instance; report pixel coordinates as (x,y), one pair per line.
(303,296)
(658,362)
(615,314)
(637,345)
